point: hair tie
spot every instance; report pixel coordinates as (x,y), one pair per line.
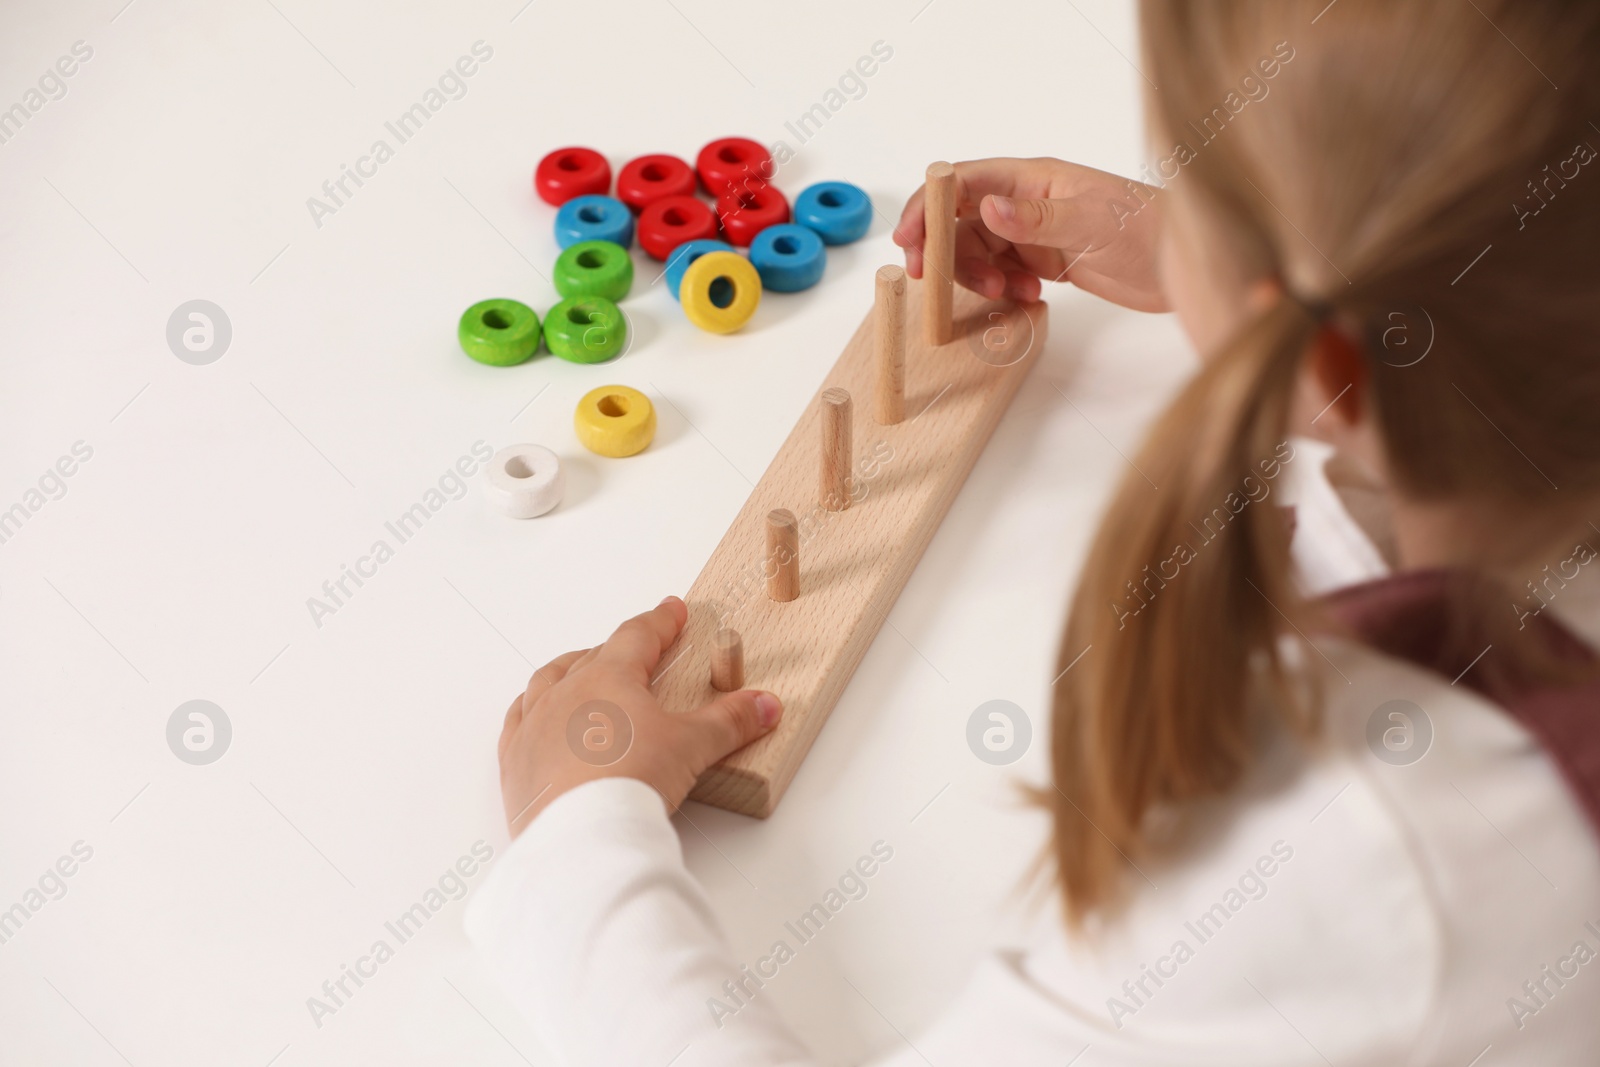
(1320,311)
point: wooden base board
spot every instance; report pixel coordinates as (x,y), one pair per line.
(853,563)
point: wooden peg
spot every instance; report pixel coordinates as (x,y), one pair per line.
(856,564)
(939,252)
(889,333)
(783,555)
(837,454)
(727,661)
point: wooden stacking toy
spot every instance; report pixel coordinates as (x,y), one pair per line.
(798,587)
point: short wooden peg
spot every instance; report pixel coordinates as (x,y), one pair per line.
(727,661)
(904,478)
(783,555)
(836,449)
(939,252)
(889,338)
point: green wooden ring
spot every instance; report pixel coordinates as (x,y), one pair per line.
(586,329)
(594,268)
(501,333)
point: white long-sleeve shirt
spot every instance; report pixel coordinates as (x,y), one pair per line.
(1335,909)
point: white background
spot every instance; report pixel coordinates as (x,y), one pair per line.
(219,498)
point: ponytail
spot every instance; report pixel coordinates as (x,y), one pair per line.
(1378,173)
(1183,595)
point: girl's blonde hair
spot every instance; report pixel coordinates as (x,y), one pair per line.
(1417,175)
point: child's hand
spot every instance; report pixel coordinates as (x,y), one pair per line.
(597,702)
(1020,220)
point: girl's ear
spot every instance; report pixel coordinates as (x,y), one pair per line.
(1336,371)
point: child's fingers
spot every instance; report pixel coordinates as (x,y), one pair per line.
(909,230)
(981,276)
(551,673)
(1022,286)
(1051,223)
(983,260)
(728,723)
(640,641)
(978,178)
(974,180)
(908,233)
(913,262)
(513,720)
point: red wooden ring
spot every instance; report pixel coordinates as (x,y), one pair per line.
(745,212)
(642,181)
(731,161)
(666,223)
(569,172)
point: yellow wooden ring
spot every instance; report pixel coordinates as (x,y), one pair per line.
(614,420)
(735,272)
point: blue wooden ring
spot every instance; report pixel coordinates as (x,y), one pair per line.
(838,211)
(789,258)
(679,259)
(594,218)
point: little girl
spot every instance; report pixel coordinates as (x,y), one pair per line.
(1324,783)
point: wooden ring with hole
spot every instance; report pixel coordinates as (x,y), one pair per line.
(524,481)
(720,291)
(499,332)
(615,421)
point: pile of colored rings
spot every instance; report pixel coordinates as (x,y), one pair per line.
(587,326)
(724,202)
(695,219)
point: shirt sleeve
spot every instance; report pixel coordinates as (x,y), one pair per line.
(1300,934)
(609,947)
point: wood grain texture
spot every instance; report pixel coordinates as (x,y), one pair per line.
(939,252)
(889,326)
(727,661)
(853,563)
(782,559)
(833,490)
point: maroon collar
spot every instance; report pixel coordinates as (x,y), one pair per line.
(1464,628)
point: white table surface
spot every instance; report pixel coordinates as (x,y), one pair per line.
(218,498)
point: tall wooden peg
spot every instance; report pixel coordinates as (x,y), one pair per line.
(727,661)
(837,455)
(939,252)
(889,341)
(856,561)
(783,555)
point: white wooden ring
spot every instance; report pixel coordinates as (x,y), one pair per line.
(524,481)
